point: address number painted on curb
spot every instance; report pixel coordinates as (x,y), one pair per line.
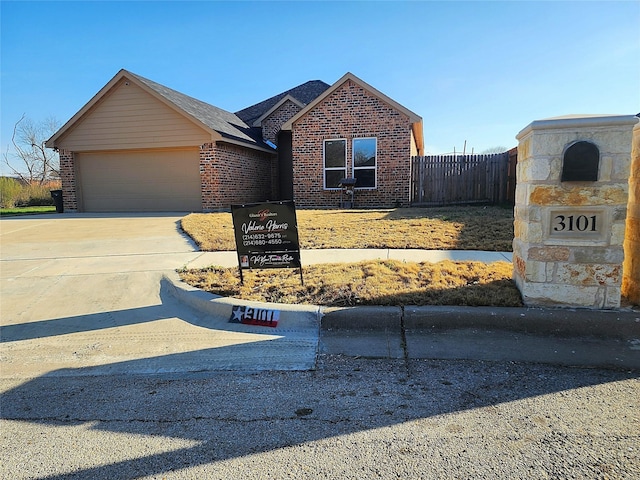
(255,316)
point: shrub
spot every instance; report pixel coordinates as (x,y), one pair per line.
(10,190)
(36,195)
(16,194)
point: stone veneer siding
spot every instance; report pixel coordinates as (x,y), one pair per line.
(271,125)
(231,174)
(352,112)
(583,272)
(631,266)
(68,177)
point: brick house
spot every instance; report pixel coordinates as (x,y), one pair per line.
(140,146)
(352,130)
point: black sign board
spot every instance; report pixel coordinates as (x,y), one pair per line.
(266,235)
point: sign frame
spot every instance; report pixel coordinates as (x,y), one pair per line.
(266,235)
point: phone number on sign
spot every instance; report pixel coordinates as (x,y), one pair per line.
(271,241)
(261,239)
(255,236)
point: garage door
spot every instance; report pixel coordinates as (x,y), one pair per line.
(167,180)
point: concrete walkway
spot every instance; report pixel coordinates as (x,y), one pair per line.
(310,257)
(81,294)
(98,294)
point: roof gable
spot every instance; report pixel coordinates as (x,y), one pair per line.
(288,98)
(221,125)
(225,123)
(416,120)
(303,94)
(129,117)
(242,127)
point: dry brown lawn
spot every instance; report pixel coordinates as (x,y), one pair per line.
(372,282)
(450,228)
(386,282)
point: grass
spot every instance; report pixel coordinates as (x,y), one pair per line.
(450,228)
(372,282)
(16,211)
(387,282)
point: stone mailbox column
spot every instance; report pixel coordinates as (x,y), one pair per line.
(571,204)
(631,267)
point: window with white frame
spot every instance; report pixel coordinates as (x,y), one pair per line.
(335,162)
(365,162)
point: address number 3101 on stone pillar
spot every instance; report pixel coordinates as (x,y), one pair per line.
(585,225)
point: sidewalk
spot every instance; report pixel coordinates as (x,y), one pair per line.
(577,337)
(311,257)
(85,295)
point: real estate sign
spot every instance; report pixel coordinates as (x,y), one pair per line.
(266,235)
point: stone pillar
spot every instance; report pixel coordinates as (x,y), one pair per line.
(631,266)
(570,212)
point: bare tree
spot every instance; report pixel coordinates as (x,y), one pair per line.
(498,149)
(30,160)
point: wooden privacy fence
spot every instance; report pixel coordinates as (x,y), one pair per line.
(460,179)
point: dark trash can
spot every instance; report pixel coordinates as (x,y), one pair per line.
(57,200)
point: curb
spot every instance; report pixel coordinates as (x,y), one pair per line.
(218,306)
(609,324)
(613,324)
(606,324)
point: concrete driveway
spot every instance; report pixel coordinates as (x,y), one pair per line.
(81,294)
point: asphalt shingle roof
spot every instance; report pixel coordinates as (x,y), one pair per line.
(225,123)
(305,93)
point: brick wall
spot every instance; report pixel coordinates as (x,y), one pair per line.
(271,125)
(68,177)
(352,112)
(231,174)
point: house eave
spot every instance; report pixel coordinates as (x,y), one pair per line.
(240,143)
(129,77)
(52,142)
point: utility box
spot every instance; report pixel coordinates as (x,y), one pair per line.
(571,205)
(57,200)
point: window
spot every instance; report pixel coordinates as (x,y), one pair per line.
(335,162)
(364,162)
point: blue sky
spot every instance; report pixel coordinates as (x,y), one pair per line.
(475,71)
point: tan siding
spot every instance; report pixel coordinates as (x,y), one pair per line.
(129,117)
(159,180)
(414,146)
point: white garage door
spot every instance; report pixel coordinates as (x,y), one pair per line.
(167,180)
